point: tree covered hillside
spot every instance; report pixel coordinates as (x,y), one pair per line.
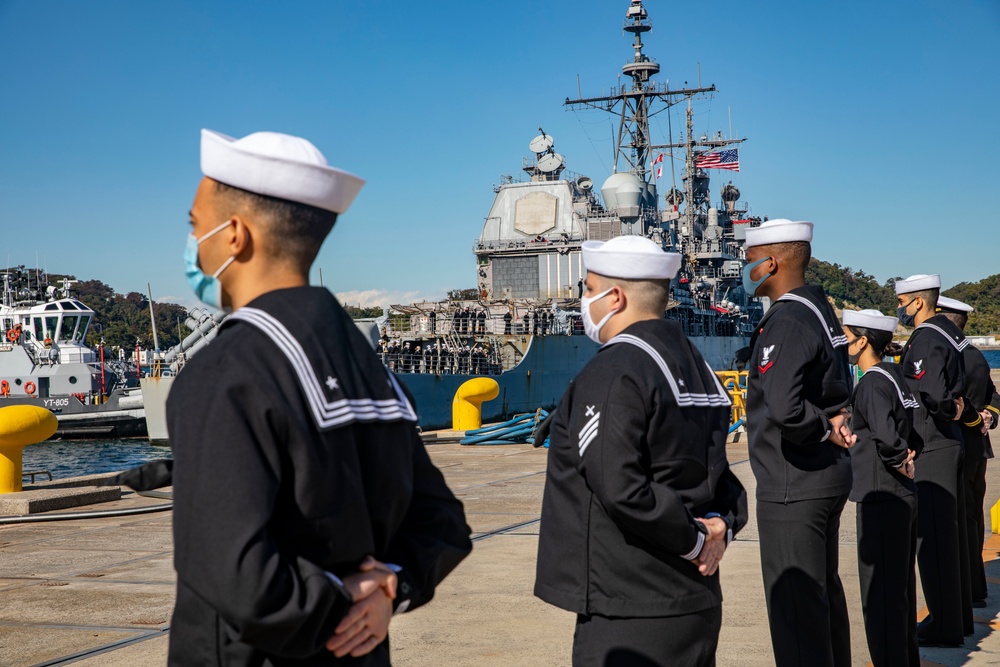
(858,290)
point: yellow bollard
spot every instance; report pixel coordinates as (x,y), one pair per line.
(995,517)
(466,407)
(20,425)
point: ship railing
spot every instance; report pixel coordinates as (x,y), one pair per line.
(485,358)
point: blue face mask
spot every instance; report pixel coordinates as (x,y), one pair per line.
(208,289)
(904,318)
(749,285)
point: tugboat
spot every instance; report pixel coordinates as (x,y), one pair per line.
(523,325)
(44,362)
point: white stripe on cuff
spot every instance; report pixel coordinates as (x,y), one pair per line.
(691,555)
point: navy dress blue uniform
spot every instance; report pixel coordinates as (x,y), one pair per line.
(935,372)
(296,455)
(979,392)
(886,500)
(799,378)
(637,452)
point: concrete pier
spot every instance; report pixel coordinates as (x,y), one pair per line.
(99,591)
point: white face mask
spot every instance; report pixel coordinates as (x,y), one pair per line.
(592,330)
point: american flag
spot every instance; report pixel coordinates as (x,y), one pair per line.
(719,160)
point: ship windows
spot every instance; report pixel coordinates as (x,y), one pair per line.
(68,330)
(52,306)
(82,330)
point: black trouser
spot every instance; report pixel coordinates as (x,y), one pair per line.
(975,495)
(938,552)
(887,550)
(806,607)
(688,640)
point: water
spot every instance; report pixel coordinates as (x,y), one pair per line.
(72,458)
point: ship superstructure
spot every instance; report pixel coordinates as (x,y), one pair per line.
(530,244)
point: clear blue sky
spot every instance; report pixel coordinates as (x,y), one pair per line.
(876,120)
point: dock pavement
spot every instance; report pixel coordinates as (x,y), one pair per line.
(99,591)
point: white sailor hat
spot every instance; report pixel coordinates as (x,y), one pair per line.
(953,305)
(779,231)
(918,283)
(630,257)
(870,319)
(278,165)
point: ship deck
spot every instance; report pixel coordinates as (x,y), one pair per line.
(100,591)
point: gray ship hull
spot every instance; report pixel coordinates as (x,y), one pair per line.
(539,381)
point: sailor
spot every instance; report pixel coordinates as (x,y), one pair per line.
(407,357)
(534,322)
(935,372)
(303,497)
(798,389)
(976,421)
(544,321)
(507,318)
(639,501)
(481,317)
(882,465)
(468,326)
(433,320)
(524,320)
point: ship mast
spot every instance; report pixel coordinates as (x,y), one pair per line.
(632,103)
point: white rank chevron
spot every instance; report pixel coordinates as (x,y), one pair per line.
(327,413)
(907,402)
(589,432)
(683,398)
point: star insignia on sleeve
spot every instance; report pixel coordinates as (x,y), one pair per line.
(332,383)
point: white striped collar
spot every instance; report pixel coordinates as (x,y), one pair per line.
(836,341)
(327,413)
(683,398)
(907,402)
(958,346)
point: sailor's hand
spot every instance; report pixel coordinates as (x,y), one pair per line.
(906,467)
(987,420)
(840,432)
(372,576)
(959,408)
(714,547)
(365,626)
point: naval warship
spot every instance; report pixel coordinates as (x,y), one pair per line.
(523,327)
(44,362)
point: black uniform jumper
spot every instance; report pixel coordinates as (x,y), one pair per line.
(932,362)
(637,452)
(979,392)
(887,515)
(799,378)
(296,455)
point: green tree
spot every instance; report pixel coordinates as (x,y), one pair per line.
(984,297)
